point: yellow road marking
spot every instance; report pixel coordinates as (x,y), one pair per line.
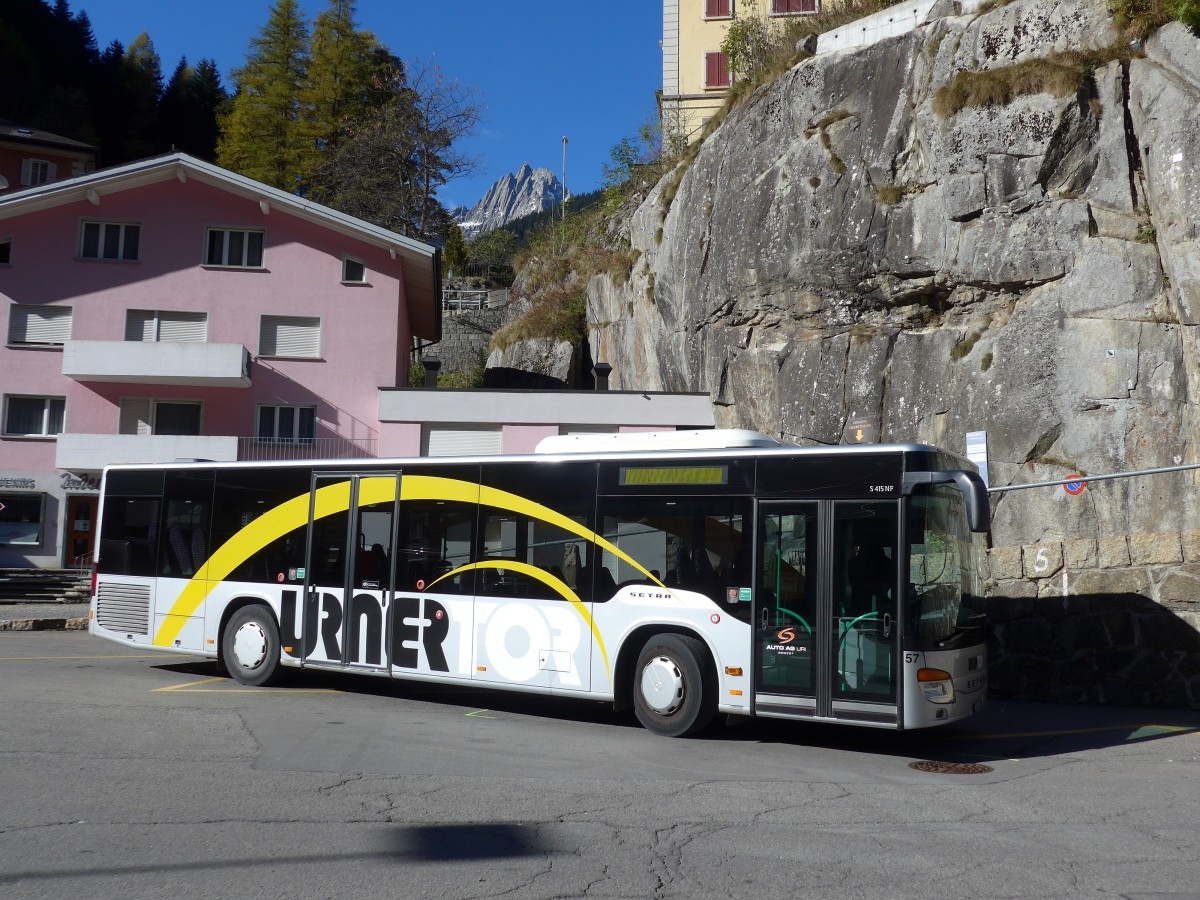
(196,689)
(479,714)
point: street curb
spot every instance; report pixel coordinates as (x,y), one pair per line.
(76,624)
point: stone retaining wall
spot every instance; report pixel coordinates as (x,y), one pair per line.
(1113,619)
(466,336)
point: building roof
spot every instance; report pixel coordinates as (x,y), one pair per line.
(15,131)
(422,275)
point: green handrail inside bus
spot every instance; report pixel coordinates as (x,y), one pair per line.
(846,626)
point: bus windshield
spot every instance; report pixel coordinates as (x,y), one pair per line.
(945,590)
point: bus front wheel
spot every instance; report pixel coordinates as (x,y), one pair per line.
(250,646)
(674,689)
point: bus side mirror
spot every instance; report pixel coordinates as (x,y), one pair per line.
(974,491)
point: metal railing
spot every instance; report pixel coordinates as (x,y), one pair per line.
(251,449)
(454,300)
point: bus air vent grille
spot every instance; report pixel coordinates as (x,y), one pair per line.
(124,607)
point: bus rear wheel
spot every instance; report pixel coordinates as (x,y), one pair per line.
(250,646)
(674,689)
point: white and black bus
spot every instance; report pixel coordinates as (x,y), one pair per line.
(680,574)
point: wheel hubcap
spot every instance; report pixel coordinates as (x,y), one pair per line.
(250,645)
(662,685)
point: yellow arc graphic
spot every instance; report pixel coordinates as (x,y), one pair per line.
(335,498)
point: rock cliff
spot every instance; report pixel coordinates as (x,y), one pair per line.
(844,252)
(527,191)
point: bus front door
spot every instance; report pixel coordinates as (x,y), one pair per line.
(350,571)
(825,610)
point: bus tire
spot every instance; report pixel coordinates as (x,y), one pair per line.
(674,688)
(250,646)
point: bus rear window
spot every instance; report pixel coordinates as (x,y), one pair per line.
(129,536)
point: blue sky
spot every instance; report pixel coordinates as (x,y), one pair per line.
(545,68)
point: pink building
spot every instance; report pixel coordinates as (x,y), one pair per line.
(170,309)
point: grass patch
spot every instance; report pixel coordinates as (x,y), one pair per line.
(986,362)
(1060,74)
(555,267)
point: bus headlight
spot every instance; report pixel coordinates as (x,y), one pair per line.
(936,685)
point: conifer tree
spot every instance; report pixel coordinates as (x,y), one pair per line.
(344,73)
(262,134)
(188,111)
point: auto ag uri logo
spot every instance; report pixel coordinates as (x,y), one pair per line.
(786,635)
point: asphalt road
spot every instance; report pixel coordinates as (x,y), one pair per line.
(131,775)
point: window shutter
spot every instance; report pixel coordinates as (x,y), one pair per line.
(135,416)
(716,68)
(26,172)
(298,336)
(174,325)
(140,325)
(51,171)
(460,440)
(28,324)
(716,9)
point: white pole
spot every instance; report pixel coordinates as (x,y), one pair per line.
(564,182)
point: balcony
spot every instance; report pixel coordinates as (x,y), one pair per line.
(92,452)
(153,362)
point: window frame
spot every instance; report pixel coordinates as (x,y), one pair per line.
(104,224)
(6,244)
(296,438)
(16,496)
(294,320)
(156,317)
(226,231)
(776,13)
(35,172)
(346,261)
(47,417)
(722,69)
(718,16)
(17,307)
(155,403)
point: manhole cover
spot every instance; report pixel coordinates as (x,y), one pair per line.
(949,768)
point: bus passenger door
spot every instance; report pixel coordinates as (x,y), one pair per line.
(350,570)
(826,610)
(787,613)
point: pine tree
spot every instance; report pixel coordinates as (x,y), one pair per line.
(455,253)
(343,75)
(188,111)
(262,134)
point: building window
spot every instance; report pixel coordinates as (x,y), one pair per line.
(234,247)
(793,7)
(40,325)
(165,325)
(5,251)
(34,416)
(290,336)
(37,171)
(716,70)
(354,271)
(286,424)
(141,415)
(21,517)
(110,240)
(718,9)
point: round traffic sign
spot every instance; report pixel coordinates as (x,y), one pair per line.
(1075,484)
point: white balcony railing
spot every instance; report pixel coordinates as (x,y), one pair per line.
(250,449)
